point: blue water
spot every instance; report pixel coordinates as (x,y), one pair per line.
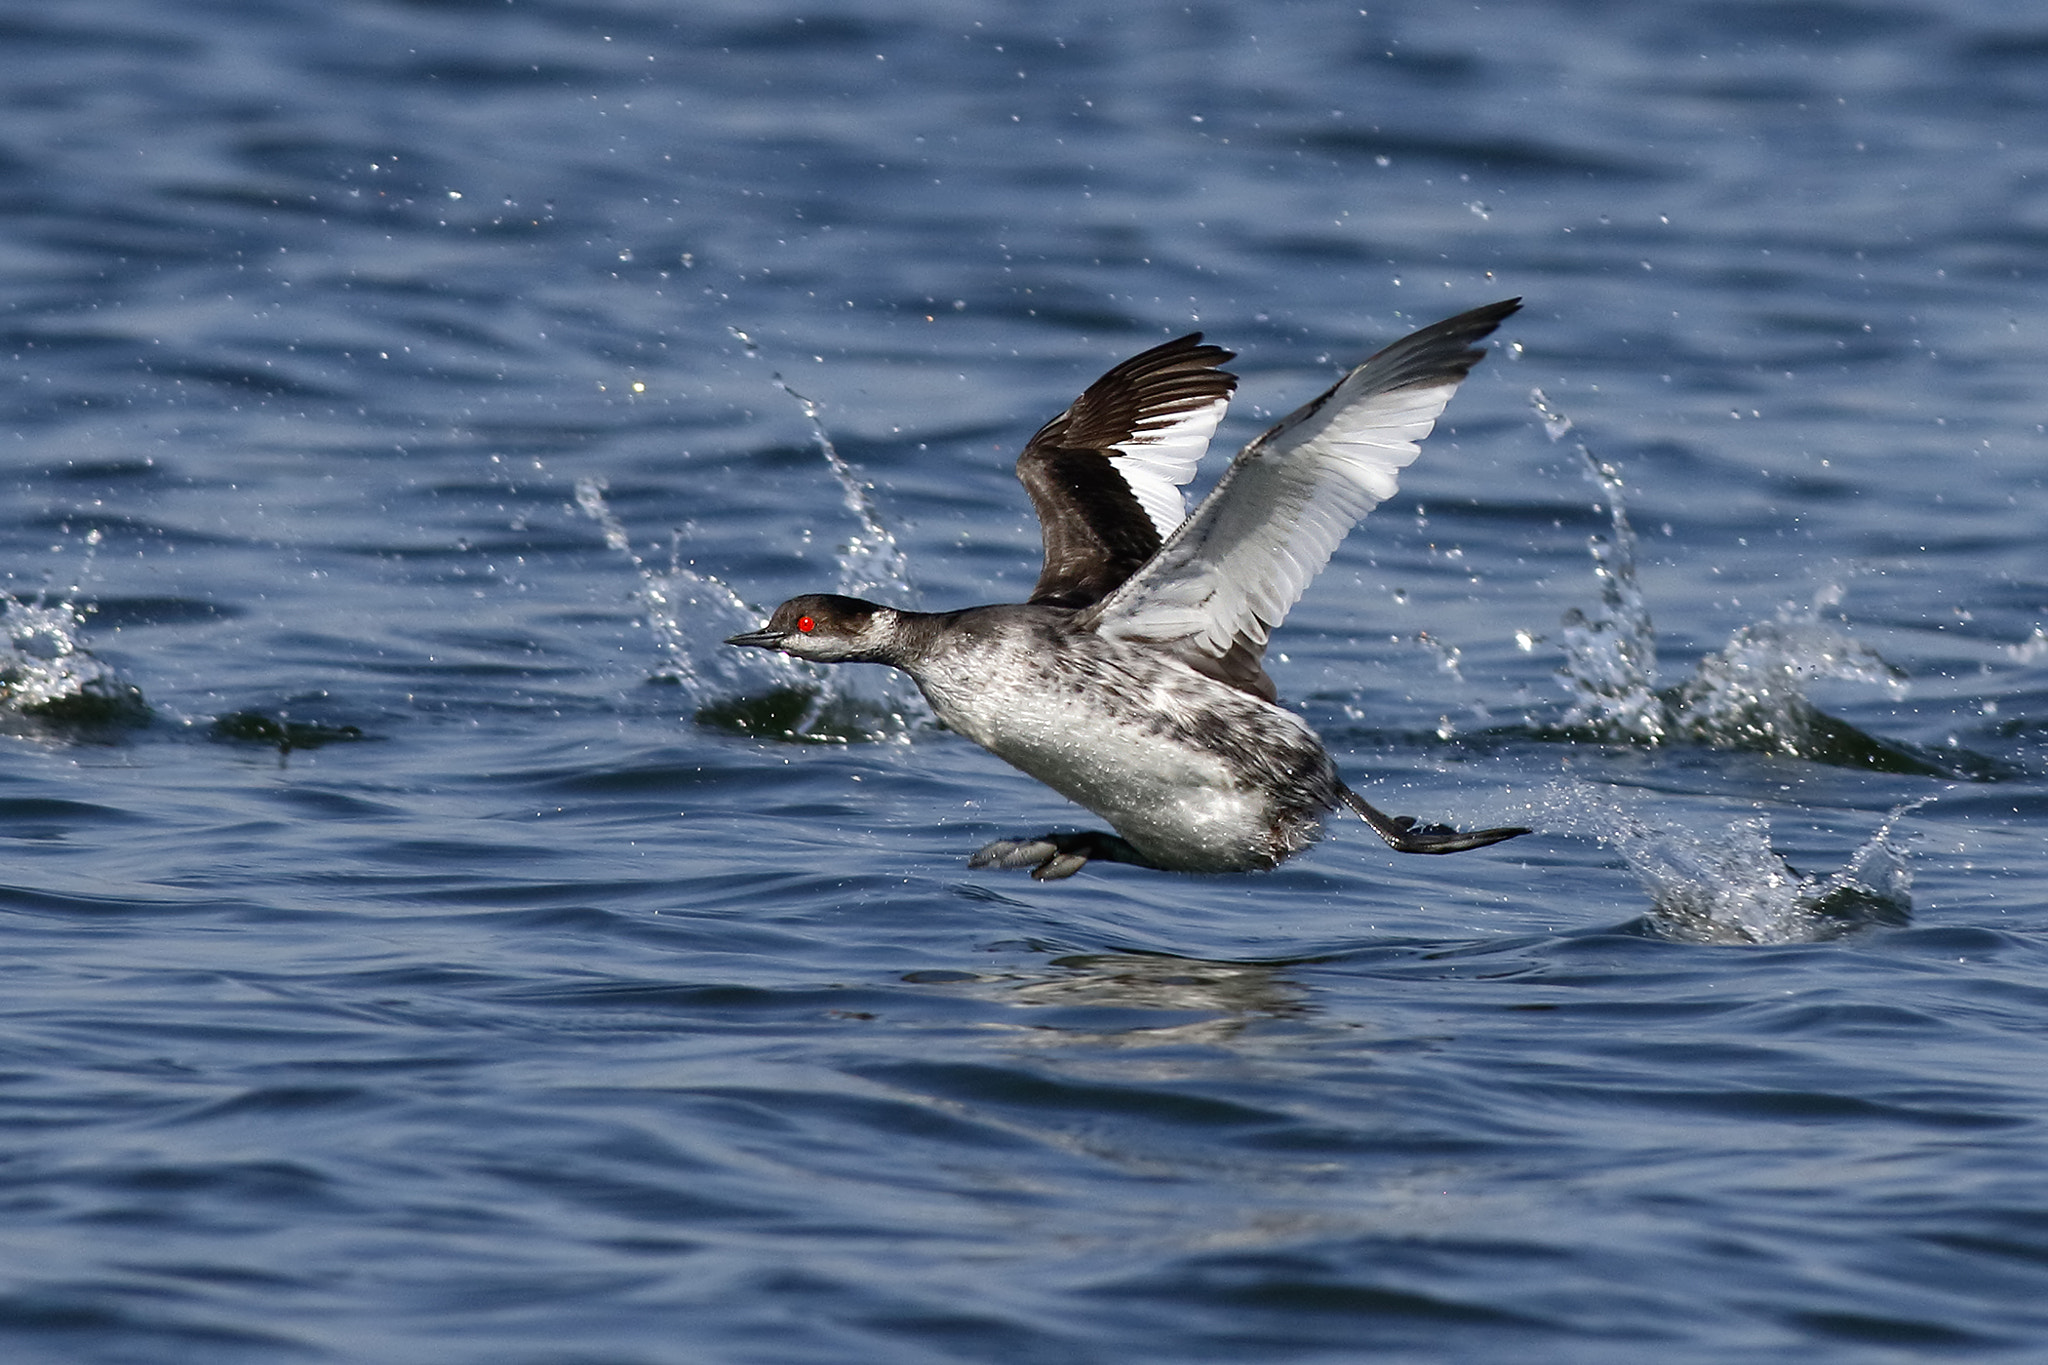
(420,941)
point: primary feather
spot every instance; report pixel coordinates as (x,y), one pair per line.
(1105,474)
(1229,574)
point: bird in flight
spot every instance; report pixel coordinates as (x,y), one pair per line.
(1131,681)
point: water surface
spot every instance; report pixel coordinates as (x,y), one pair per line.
(424,943)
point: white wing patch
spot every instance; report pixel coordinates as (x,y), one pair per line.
(1161,455)
(1234,569)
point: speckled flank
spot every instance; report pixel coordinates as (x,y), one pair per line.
(1196,774)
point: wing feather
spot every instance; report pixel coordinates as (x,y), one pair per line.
(1105,474)
(1232,571)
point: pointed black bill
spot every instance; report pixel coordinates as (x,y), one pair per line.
(759,639)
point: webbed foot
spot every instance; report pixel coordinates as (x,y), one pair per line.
(1053,856)
(1404,835)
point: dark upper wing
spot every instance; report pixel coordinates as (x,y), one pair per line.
(1222,581)
(1105,474)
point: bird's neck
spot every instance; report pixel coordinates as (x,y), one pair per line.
(895,637)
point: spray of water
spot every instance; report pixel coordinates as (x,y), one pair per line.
(1750,694)
(683,606)
(761,692)
(42,658)
(674,593)
(871,564)
(1728,885)
(45,668)
(1611,656)
(847,702)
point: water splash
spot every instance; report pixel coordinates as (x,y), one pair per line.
(1731,886)
(1610,657)
(1728,885)
(45,669)
(661,614)
(758,692)
(1750,694)
(674,594)
(668,592)
(848,703)
(871,563)
(42,661)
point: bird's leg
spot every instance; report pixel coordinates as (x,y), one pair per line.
(1053,856)
(1404,835)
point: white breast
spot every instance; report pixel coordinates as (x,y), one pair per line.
(1088,730)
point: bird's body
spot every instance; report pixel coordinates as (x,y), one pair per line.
(1131,683)
(1197,775)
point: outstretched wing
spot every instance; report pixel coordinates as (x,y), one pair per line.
(1227,577)
(1105,475)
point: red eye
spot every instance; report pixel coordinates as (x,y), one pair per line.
(805,624)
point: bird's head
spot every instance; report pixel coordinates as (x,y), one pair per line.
(826,628)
